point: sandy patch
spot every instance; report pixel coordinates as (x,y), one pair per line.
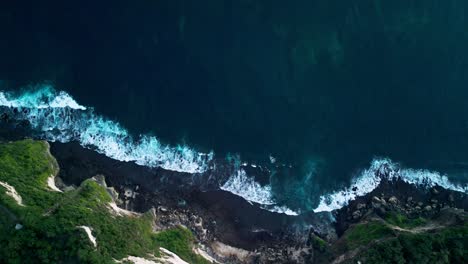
(87,229)
(136,260)
(119,211)
(11,191)
(170,257)
(51,184)
(167,257)
(204,254)
(227,251)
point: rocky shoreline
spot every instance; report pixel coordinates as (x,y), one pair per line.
(232,230)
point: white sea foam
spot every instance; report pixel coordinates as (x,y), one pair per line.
(384,169)
(242,185)
(246,187)
(60,118)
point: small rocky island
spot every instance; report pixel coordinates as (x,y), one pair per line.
(61,203)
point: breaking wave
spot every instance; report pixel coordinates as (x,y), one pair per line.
(384,169)
(246,187)
(58,117)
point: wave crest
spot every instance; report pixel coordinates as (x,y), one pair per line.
(246,187)
(384,169)
(58,117)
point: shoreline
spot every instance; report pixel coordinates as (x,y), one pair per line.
(219,218)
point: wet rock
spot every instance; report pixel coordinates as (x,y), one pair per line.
(129,193)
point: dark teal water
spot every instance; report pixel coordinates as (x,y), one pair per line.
(315,83)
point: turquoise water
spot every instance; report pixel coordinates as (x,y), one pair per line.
(323,88)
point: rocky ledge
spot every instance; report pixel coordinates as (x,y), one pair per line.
(385,226)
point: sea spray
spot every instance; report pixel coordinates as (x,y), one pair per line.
(380,170)
(58,117)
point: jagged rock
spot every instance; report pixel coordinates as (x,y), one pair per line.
(360,206)
(428,208)
(451,198)
(357,215)
(101,180)
(376,205)
(114,194)
(382,211)
(129,193)
(393,200)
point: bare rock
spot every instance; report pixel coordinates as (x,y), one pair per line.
(357,215)
(360,206)
(393,200)
(451,198)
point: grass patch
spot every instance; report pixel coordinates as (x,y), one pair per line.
(50,219)
(447,246)
(318,243)
(180,240)
(362,234)
(403,221)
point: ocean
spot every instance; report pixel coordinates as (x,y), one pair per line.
(314,95)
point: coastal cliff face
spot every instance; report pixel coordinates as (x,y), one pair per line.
(40,223)
(97,210)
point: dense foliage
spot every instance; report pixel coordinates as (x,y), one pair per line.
(447,246)
(378,243)
(49,220)
(362,234)
(403,221)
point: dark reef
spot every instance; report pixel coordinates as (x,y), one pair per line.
(220,219)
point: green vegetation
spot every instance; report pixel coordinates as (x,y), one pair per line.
(447,246)
(362,234)
(403,221)
(179,240)
(50,220)
(318,243)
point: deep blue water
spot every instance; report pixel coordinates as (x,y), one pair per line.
(322,84)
